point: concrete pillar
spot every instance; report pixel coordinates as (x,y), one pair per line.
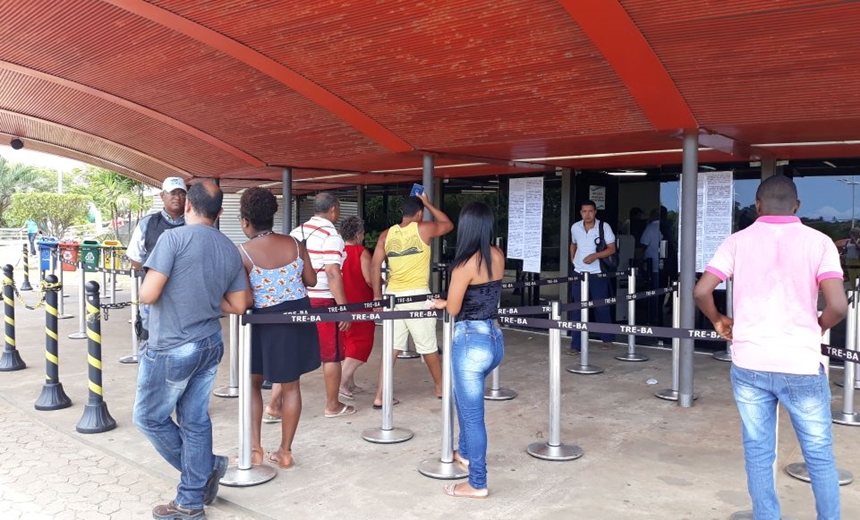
(564,265)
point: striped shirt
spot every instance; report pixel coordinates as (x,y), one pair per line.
(325,247)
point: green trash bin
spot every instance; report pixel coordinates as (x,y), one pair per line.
(89,254)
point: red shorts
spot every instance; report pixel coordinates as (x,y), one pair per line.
(331,350)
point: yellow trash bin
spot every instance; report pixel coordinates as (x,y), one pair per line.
(112,252)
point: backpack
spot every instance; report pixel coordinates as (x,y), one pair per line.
(610,263)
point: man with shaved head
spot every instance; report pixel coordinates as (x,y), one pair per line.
(778,266)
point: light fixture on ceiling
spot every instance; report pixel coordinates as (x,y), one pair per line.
(16,144)
(828,163)
(627,173)
(705,167)
(336,176)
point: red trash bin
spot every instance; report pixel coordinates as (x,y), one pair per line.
(69,254)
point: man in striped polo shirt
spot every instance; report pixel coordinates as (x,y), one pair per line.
(326,251)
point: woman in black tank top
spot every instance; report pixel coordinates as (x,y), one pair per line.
(477,347)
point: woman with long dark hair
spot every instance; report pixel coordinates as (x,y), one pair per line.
(279,272)
(478,345)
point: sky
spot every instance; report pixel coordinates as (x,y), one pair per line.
(39,159)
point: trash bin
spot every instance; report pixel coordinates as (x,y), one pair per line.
(69,254)
(89,251)
(46,245)
(112,254)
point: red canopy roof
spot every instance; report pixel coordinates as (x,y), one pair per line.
(353,91)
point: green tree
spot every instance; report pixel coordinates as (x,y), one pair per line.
(54,212)
(112,193)
(14,178)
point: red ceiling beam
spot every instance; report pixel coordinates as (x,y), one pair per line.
(140,109)
(617,37)
(300,84)
(69,129)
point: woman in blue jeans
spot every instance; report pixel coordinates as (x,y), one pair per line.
(478,346)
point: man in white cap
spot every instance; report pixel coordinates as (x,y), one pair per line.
(146,235)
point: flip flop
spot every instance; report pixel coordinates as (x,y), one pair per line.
(234,460)
(451,491)
(346,410)
(346,396)
(272,458)
(461,460)
(269,419)
(379,406)
(357,390)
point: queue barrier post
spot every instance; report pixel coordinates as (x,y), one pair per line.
(26,285)
(53,397)
(631,355)
(495,392)
(96,417)
(388,434)
(671,394)
(855,292)
(135,315)
(245,474)
(553,449)
(82,304)
(726,355)
(445,468)
(846,416)
(61,308)
(11,359)
(799,470)
(584,368)
(232,389)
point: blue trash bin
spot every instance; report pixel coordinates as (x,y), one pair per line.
(46,245)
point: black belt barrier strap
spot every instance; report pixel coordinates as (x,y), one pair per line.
(840,353)
(611,328)
(340,316)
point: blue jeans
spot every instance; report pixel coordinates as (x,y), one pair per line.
(180,378)
(807,400)
(477,348)
(598,288)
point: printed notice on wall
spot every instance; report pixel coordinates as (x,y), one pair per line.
(714,206)
(598,195)
(525,221)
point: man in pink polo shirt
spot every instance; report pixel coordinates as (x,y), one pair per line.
(778,266)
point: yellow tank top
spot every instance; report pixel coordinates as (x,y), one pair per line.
(408,258)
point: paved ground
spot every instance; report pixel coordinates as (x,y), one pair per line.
(644,458)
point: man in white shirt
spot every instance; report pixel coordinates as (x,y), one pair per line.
(584,236)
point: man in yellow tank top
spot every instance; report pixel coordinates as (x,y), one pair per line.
(407,248)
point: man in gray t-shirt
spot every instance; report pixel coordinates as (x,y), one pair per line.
(194,273)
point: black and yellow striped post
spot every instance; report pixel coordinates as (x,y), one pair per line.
(96,418)
(26,285)
(53,397)
(11,359)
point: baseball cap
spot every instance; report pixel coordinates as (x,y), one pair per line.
(172,183)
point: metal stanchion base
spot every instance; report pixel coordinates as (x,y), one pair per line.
(252,476)
(96,419)
(846,419)
(634,358)
(499,394)
(227,391)
(585,370)
(408,354)
(392,436)
(435,468)
(543,450)
(798,470)
(25,286)
(842,384)
(53,397)
(723,355)
(670,395)
(64,316)
(11,361)
(129,360)
(78,335)
(748,515)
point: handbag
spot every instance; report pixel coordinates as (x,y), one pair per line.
(608,264)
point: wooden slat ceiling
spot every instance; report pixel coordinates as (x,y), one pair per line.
(352,92)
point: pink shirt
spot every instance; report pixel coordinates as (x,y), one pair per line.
(777,264)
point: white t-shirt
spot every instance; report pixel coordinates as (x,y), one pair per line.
(585,244)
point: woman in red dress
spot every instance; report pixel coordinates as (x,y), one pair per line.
(358,339)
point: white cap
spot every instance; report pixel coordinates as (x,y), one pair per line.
(172,183)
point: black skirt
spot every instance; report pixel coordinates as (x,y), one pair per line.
(283,352)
